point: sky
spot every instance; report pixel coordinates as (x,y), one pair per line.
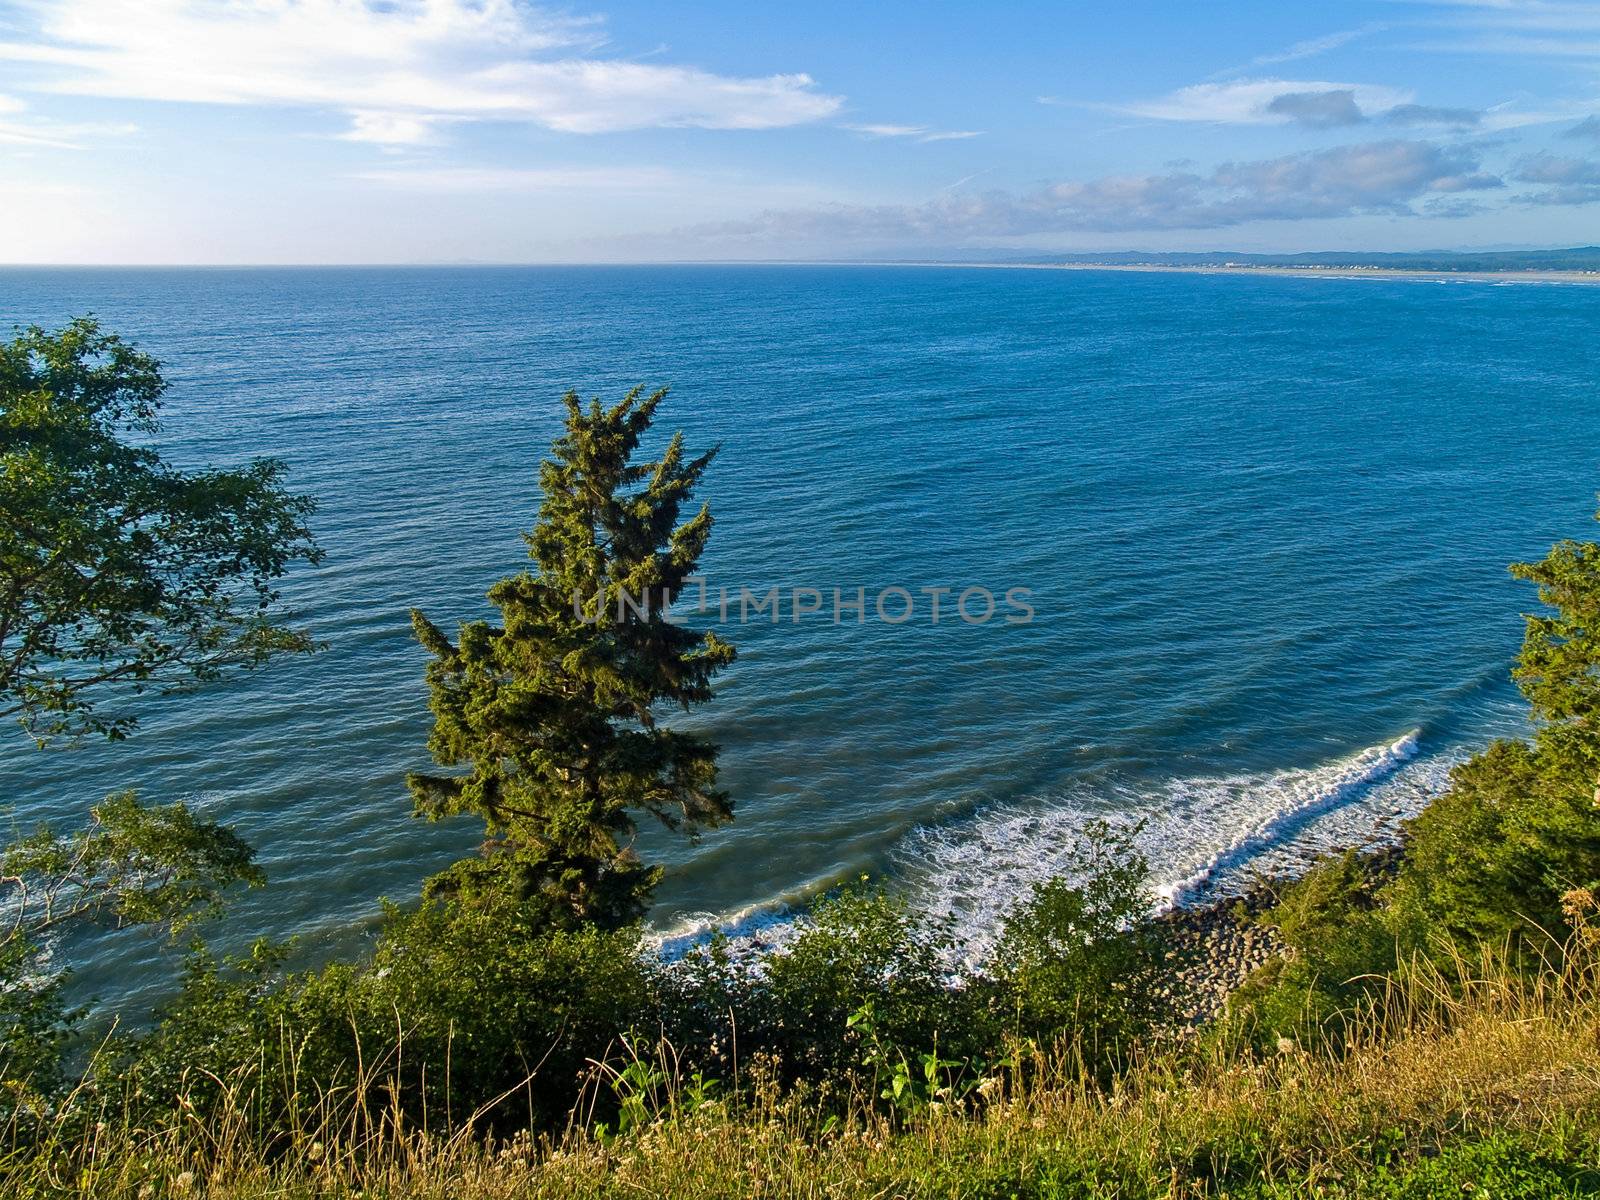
(449,131)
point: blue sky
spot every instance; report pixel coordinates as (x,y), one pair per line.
(305,131)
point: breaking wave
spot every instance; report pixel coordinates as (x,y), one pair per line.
(1204,836)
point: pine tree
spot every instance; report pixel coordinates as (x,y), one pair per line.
(554,709)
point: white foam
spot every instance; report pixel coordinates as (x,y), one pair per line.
(1204,836)
(1302,796)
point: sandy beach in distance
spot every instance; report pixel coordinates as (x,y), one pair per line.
(1579,277)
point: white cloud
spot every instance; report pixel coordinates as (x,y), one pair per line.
(533,179)
(888,130)
(1251,101)
(1557,29)
(1508,116)
(1390,178)
(920,133)
(395,67)
(1311,47)
(391,129)
(17,129)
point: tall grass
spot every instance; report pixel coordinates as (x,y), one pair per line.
(1465,1052)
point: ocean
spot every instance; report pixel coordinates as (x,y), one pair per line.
(1262,524)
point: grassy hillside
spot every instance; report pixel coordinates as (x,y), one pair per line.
(1489,1088)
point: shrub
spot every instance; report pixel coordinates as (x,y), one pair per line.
(1079,960)
(1339,945)
(460,1010)
(861,951)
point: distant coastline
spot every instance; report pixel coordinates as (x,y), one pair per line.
(1589,278)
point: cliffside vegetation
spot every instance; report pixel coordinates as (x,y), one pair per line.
(1433,1028)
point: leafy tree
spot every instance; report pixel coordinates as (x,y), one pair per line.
(132,865)
(553,710)
(1559,668)
(1078,959)
(120,572)
(1519,826)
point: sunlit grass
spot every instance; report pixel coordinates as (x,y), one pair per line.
(1502,1068)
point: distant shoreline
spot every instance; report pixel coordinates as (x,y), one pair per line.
(1510,275)
(1590,278)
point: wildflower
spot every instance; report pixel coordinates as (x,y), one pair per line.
(1286,1045)
(183,1182)
(1576,903)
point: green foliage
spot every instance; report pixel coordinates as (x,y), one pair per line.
(132,865)
(912,1084)
(1559,669)
(1498,1167)
(118,571)
(1341,948)
(460,1010)
(1079,960)
(861,949)
(35,1025)
(1490,860)
(865,993)
(554,710)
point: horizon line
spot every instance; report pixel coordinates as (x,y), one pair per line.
(1086,259)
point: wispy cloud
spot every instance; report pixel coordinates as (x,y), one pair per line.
(918,133)
(18,128)
(1587,130)
(1527,28)
(391,128)
(1428,114)
(737,190)
(395,68)
(1317,105)
(610,180)
(1267,101)
(1311,47)
(1399,178)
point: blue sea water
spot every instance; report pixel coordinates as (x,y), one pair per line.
(1264,523)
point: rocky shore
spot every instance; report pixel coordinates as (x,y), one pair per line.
(1211,950)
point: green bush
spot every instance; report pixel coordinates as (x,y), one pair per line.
(1490,862)
(459,1010)
(861,950)
(1340,946)
(1079,960)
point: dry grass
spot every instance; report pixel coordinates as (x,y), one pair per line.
(1432,1066)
